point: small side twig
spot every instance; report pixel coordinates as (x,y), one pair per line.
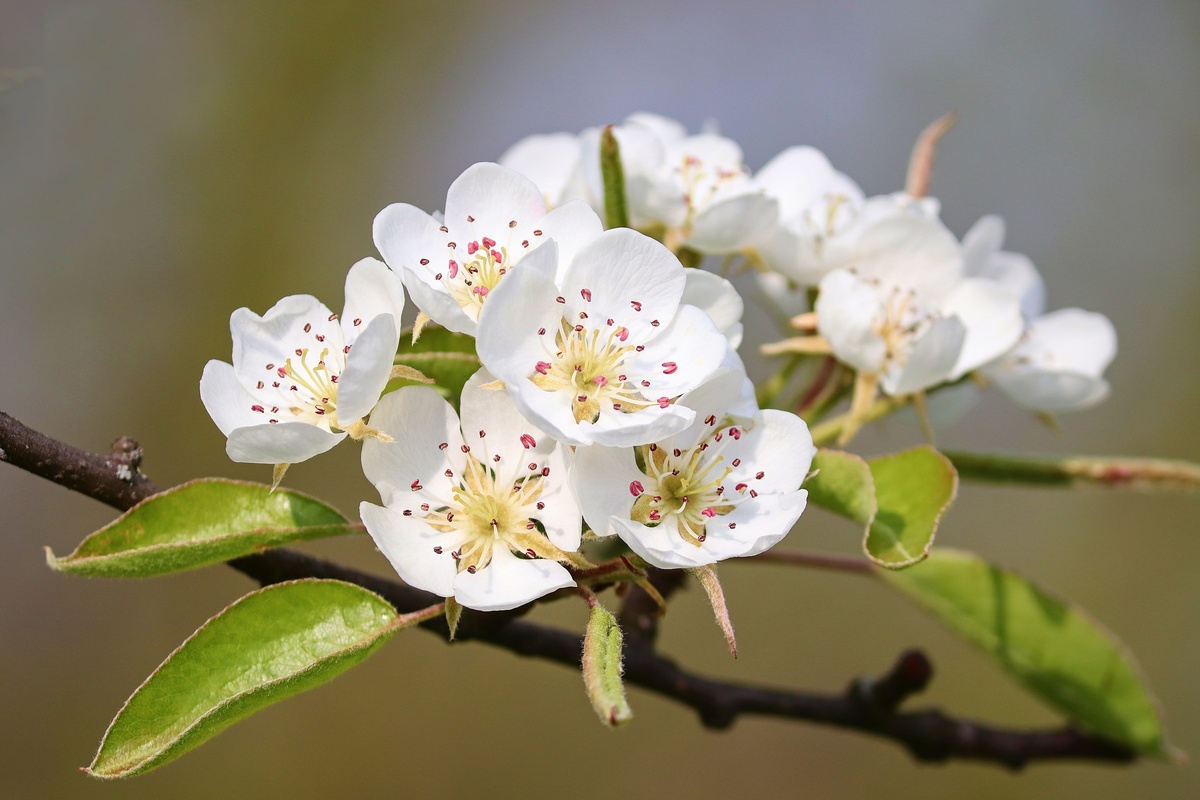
(869,706)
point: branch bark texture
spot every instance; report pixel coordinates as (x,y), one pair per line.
(868,705)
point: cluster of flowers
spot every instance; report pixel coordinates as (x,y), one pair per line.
(900,299)
(611,394)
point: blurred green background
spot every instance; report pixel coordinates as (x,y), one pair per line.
(176,161)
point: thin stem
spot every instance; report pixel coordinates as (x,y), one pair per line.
(1138,474)
(857,566)
(928,735)
(829,430)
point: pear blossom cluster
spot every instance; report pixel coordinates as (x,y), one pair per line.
(610,398)
(899,299)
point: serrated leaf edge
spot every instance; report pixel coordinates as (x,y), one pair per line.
(937,520)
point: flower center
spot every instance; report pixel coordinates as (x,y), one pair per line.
(472,281)
(900,323)
(305,386)
(686,484)
(588,363)
(486,514)
(701,185)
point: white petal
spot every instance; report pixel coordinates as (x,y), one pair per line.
(408,544)
(930,361)
(432,297)
(710,400)
(665,129)
(507,582)
(761,522)
(1050,391)
(1082,341)
(1058,364)
(561,516)
(404,235)
(847,309)
(992,318)
(1018,274)
(661,546)
(225,399)
(680,357)
(777,446)
(801,177)
(493,196)
(371,289)
(652,424)
(745,406)
(421,422)
(509,434)
(630,278)
(716,297)
(285,443)
(552,161)
(727,226)
(908,251)
(368,365)
(572,225)
(602,478)
(981,243)
(273,337)
(508,343)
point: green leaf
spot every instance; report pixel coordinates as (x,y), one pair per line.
(616,214)
(843,484)
(913,488)
(898,499)
(602,667)
(445,356)
(201,522)
(1055,650)
(270,645)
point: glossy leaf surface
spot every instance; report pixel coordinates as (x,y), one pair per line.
(270,645)
(1054,649)
(198,523)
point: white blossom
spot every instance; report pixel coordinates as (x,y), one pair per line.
(883,317)
(599,348)
(1059,363)
(816,202)
(554,162)
(714,491)
(481,511)
(494,217)
(690,191)
(906,310)
(301,378)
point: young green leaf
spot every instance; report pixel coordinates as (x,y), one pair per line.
(1055,650)
(602,667)
(198,523)
(272,644)
(448,358)
(913,489)
(843,484)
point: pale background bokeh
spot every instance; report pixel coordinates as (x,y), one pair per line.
(179,160)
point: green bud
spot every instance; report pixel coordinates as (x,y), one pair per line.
(602,668)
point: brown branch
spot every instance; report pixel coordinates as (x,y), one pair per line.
(868,705)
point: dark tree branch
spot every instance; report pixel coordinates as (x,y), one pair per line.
(868,705)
